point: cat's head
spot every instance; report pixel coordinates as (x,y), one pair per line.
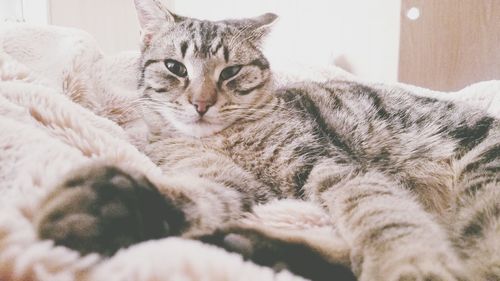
(202,76)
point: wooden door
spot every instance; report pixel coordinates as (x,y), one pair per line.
(452,44)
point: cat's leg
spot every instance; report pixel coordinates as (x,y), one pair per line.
(103,208)
(391,237)
(475,222)
(301,252)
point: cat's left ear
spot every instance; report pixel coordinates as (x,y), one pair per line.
(257,28)
(152,15)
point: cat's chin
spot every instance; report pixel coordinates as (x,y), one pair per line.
(198,129)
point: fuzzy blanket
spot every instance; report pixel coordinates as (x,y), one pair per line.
(64,104)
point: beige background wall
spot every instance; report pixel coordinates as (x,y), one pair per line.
(112,22)
(32,11)
(317,32)
(363,40)
(11,10)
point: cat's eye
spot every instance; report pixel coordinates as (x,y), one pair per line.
(229,72)
(176,67)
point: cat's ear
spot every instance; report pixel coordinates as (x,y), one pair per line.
(152,15)
(260,26)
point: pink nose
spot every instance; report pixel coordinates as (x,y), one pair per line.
(202,107)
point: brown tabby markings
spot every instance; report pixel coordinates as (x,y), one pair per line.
(411,182)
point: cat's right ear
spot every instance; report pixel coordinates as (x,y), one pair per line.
(257,28)
(152,15)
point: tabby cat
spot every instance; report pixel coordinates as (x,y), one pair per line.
(411,182)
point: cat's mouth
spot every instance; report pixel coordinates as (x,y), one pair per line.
(202,121)
(196,126)
(201,127)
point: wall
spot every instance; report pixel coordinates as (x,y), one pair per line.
(112,22)
(32,11)
(11,10)
(360,35)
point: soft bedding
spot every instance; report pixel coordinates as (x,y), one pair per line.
(64,105)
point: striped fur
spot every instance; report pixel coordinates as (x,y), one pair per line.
(411,181)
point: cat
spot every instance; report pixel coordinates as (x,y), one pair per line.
(410,181)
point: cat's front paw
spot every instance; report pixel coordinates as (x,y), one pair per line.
(102,209)
(428,265)
(278,252)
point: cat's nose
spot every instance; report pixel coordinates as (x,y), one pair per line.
(202,107)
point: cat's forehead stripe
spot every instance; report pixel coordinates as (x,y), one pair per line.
(226,54)
(184,46)
(206,38)
(217,47)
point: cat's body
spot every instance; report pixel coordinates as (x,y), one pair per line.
(416,140)
(316,137)
(411,182)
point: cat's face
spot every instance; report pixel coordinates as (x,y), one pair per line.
(202,76)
